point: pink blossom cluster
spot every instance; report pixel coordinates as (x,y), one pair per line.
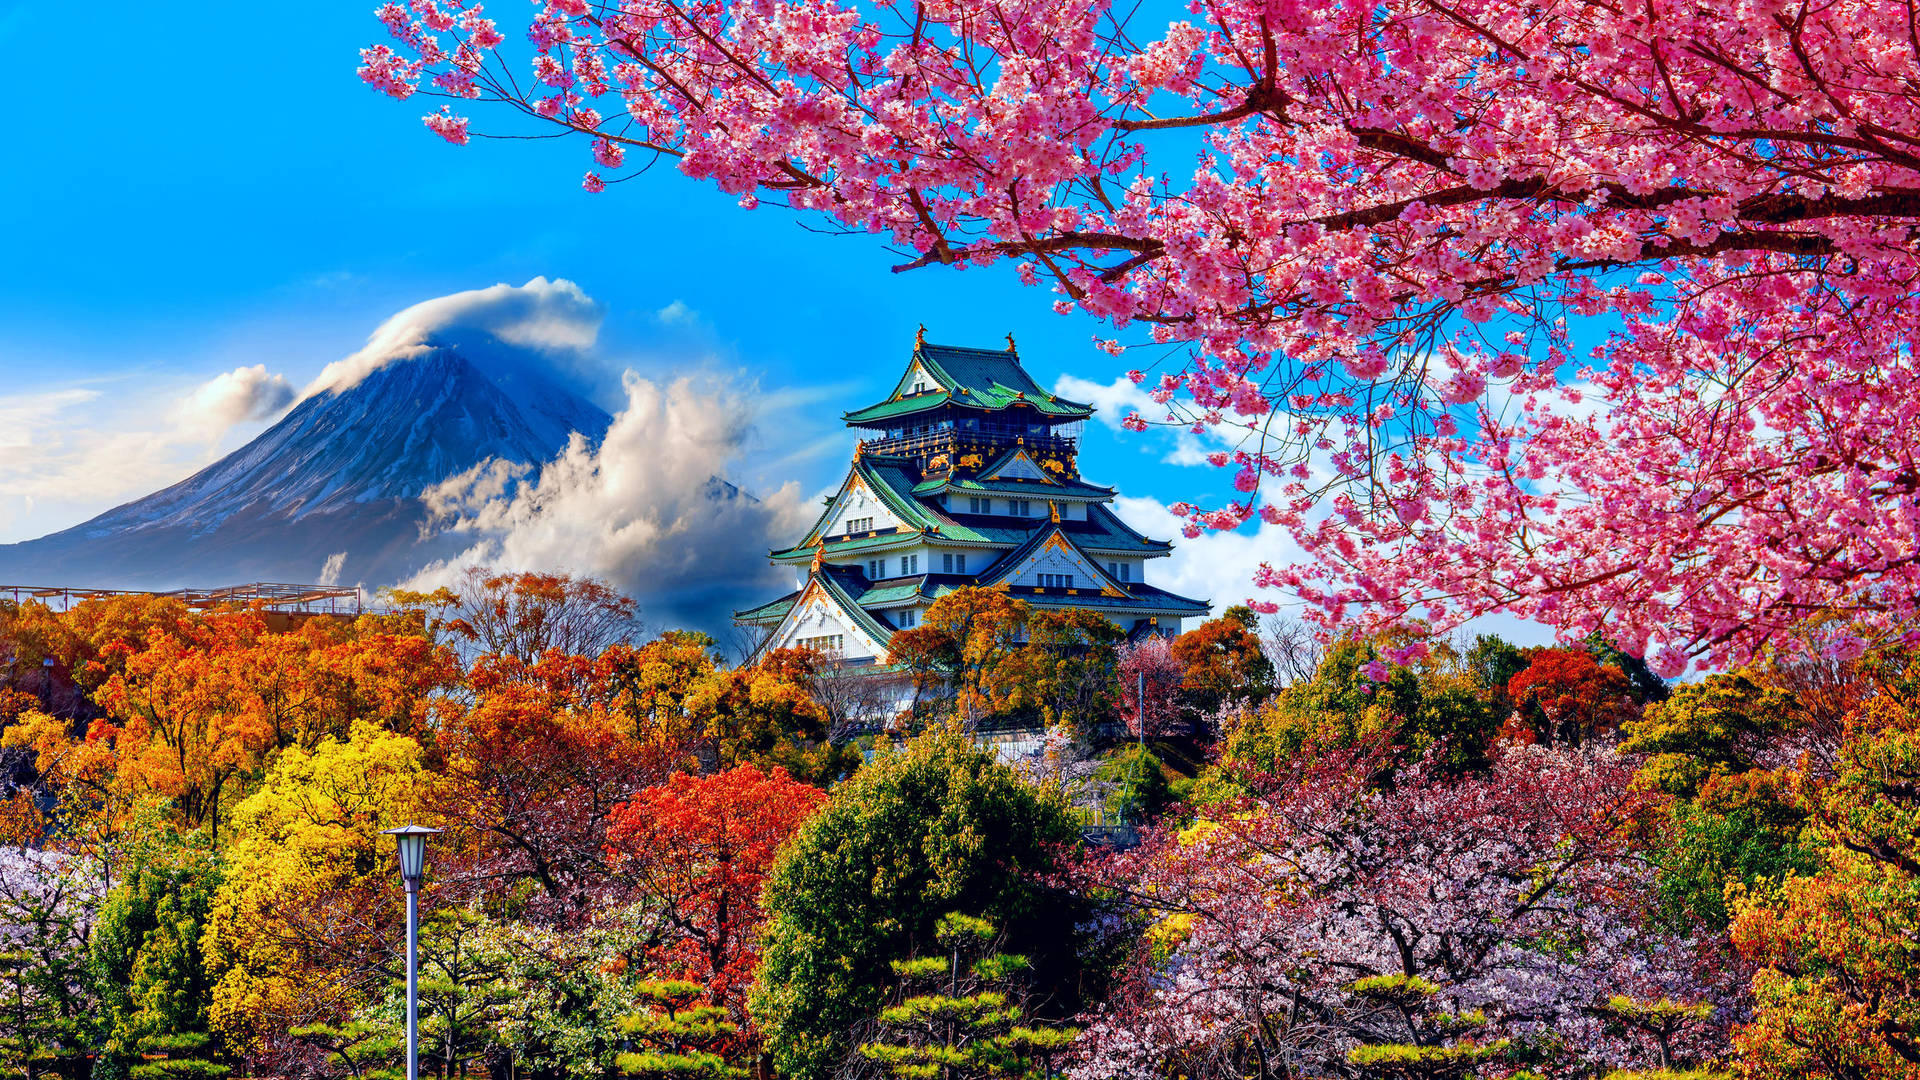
(1377,228)
(1512,893)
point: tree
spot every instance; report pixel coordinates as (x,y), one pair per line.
(301,930)
(960,643)
(678,1039)
(958,1013)
(542,757)
(937,827)
(1835,996)
(767,716)
(1374,259)
(1224,662)
(522,615)
(49,999)
(1715,727)
(1149,676)
(1328,924)
(152,974)
(1565,696)
(1063,672)
(695,852)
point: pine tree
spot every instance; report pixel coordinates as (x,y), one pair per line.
(677,1038)
(960,1016)
(1437,1046)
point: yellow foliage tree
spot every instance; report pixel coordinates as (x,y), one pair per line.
(301,930)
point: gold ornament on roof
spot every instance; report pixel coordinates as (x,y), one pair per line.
(1010,341)
(1055,507)
(920,337)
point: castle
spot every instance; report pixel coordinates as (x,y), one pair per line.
(967,476)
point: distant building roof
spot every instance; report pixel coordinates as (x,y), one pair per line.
(990,380)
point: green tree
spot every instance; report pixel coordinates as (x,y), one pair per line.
(1714,727)
(676,1036)
(937,827)
(960,1014)
(153,977)
(1438,1045)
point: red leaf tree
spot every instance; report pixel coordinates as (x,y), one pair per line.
(696,850)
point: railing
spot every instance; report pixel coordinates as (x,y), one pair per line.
(917,443)
(268,595)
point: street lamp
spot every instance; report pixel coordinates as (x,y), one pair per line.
(411,840)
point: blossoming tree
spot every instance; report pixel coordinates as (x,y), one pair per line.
(1599,314)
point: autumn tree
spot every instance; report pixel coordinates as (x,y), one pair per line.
(1566,696)
(961,641)
(542,756)
(1063,673)
(694,852)
(1224,662)
(767,716)
(937,827)
(1835,996)
(300,931)
(522,615)
(677,1037)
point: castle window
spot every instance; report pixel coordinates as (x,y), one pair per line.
(855,525)
(1056,581)
(1120,571)
(951,563)
(1020,507)
(979,506)
(826,643)
(908,619)
(876,568)
(909,564)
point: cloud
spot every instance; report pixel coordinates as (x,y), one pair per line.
(1123,396)
(1216,566)
(555,317)
(677,312)
(69,452)
(646,510)
(330,569)
(245,393)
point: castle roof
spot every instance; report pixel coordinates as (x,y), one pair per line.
(988,380)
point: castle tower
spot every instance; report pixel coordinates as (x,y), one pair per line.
(967,474)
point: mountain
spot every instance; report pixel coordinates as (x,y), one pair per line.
(342,471)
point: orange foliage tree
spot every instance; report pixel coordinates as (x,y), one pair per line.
(1565,696)
(1223,661)
(696,851)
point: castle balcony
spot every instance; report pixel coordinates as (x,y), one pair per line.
(947,435)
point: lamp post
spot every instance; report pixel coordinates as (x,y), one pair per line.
(411,840)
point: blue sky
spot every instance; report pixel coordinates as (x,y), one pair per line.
(225,193)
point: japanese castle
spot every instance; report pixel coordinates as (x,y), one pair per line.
(966,476)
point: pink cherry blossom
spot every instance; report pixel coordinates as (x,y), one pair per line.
(1725,194)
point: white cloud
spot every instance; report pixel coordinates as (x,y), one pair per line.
(330,569)
(1216,566)
(1117,399)
(676,312)
(646,510)
(69,452)
(552,316)
(245,393)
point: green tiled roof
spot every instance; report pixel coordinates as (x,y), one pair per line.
(1019,489)
(985,379)
(770,612)
(1102,533)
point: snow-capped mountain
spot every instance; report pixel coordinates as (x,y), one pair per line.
(342,471)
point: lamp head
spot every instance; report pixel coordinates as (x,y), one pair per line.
(411,840)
